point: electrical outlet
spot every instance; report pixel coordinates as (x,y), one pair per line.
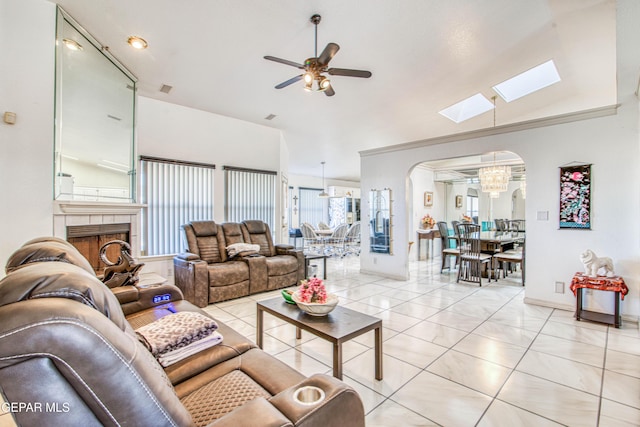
(375,260)
(559,287)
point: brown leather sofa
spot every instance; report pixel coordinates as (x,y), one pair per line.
(207,275)
(69,356)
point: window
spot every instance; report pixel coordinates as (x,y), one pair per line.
(175,193)
(250,194)
(312,207)
(472,203)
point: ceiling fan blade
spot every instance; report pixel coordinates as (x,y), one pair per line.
(328,53)
(284,61)
(329,91)
(289,82)
(349,73)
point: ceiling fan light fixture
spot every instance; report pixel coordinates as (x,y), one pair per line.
(324,83)
(308,86)
(308,78)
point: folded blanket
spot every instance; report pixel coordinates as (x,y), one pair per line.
(242,249)
(171,357)
(175,331)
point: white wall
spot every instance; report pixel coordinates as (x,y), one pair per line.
(308,181)
(27,39)
(176,132)
(611,143)
(552,254)
(164,130)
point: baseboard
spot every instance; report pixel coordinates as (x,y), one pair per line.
(386,276)
(544,303)
(570,307)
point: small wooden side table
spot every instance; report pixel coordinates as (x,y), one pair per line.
(427,235)
(615,284)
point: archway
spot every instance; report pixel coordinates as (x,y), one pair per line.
(457,195)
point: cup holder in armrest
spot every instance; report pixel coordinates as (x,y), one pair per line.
(308,395)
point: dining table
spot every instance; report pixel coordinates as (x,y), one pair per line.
(499,241)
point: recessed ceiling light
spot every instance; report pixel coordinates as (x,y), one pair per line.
(528,82)
(72,44)
(137,42)
(467,108)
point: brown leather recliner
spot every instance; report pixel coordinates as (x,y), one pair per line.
(69,357)
(132,298)
(284,265)
(207,275)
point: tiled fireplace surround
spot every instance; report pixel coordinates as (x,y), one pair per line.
(95,213)
(70,213)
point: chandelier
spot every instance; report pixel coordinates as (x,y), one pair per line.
(494,179)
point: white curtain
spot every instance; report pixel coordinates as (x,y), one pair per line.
(174,193)
(250,194)
(312,207)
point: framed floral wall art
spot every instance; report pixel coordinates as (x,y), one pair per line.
(575,197)
(428,199)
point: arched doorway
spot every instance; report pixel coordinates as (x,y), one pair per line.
(457,194)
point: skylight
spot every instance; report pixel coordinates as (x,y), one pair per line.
(528,82)
(467,108)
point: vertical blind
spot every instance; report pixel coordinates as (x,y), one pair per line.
(175,193)
(250,194)
(312,207)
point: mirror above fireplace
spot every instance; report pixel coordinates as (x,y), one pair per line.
(94,119)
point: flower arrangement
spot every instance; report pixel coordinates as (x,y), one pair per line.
(466,218)
(313,291)
(428,221)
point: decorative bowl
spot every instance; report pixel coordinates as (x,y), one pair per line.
(286,294)
(317,309)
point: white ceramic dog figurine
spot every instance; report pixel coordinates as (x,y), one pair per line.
(593,264)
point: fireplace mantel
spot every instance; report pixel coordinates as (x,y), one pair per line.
(72,207)
(76,213)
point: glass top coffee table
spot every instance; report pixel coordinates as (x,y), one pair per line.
(339,326)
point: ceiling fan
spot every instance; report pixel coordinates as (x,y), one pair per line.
(316,66)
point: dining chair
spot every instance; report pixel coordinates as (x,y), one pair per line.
(472,261)
(311,242)
(352,240)
(448,244)
(456,230)
(323,226)
(334,244)
(504,260)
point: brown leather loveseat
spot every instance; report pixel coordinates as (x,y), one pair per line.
(206,274)
(69,356)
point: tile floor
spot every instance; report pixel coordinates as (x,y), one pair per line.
(461,355)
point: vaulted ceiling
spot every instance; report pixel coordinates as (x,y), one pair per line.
(425,55)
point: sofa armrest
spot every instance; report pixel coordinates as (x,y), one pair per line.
(192,278)
(258,275)
(282,246)
(152,296)
(341,406)
(298,253)
(187,256)
(126,294)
